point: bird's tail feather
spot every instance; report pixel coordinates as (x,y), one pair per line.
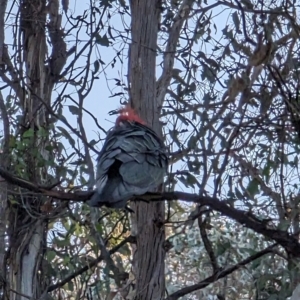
(95,200)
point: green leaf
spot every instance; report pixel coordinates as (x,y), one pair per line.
(83,180)
(67,135)
(96,66)
(256,263)
(28,133)
(284,225)
(8,101)
(207,73)
(49,148)
(194,166)
(125,250)
(71,286)
(51,255)
(227,51)
(179,90)
(192,87)
(92,143)
(188,180)
(227,33)
(247,4)
(77,162)
(122,3)
(221,248)
(62,243)
(212,63)
(191,180)
(192,142)
(106,3)
(12,141)
(66,260)
(238,194)
(116,95)
(253,188)
(13,201)
(266,171)
(74,110)
(42,132)
(103,41)
(236,21)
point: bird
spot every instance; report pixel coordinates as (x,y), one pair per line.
(132,162)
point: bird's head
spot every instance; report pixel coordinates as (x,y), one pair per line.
(128,114)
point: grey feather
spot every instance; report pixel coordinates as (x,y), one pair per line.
(132,162)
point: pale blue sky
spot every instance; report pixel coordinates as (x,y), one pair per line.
(98,101)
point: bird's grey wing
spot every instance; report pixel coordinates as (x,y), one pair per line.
(131,162)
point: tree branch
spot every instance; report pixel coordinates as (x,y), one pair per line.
(202,222)
(88,266)
(220,274)
(3,5)
(168,61)
(283,238)
(4,116)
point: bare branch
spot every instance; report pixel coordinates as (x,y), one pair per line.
(118,275)
(59,47)
(168,62)
(287,241)
(3,5)
(202,222)
(90,265)
(219,274)
(4,116)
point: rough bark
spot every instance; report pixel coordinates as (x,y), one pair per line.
(148,217)
(3,161)
(27,227)
(3,202)
(27,242)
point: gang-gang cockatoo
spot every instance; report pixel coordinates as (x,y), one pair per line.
(132,162)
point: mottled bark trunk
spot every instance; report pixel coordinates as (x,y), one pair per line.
(4,161)
(27,227)
(3,233)
(27,231)
(148,217)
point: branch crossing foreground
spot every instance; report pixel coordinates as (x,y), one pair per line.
(283,238)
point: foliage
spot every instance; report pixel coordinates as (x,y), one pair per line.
(228,75)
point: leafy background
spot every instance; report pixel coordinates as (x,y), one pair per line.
(231,125)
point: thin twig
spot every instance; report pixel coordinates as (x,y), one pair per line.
(90,265)
(219,274)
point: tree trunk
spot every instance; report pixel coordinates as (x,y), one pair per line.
(4,162)
(148,218)
(27,226)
